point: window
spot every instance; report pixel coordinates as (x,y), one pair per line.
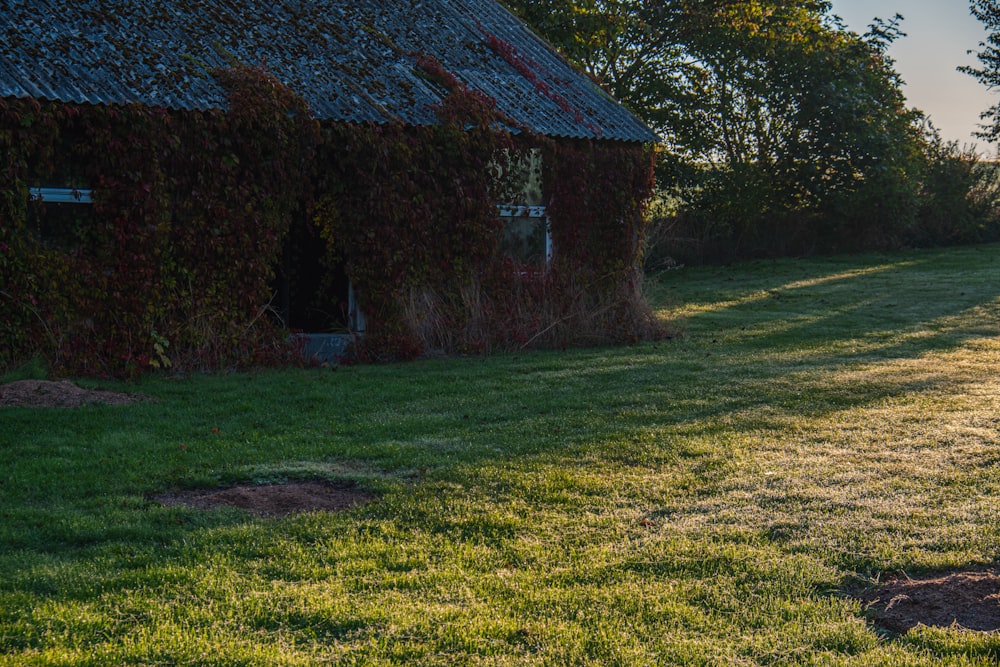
(526,238)
(61,195)
(61,217)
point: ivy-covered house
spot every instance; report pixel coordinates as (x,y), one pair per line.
(187,181)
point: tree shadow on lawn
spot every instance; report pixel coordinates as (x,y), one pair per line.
(571,397)
(482,412)
(847,318)
(880,302)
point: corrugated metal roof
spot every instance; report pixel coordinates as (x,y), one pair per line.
(352,60)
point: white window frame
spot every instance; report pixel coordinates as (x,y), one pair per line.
(356,322)
(62,195)
(515,211)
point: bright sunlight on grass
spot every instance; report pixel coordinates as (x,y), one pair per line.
(701,501)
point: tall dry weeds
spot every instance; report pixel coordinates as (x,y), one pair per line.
(531,310)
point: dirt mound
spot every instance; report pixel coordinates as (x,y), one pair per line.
(970,600)
(274,500)
(62,394)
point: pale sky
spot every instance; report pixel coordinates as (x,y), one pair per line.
(939,33)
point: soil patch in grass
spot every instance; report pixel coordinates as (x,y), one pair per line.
(274,500)
(970,600)
(61,394)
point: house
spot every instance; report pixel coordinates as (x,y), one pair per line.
(122,124)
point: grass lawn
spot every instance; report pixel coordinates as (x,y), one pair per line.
(701,501)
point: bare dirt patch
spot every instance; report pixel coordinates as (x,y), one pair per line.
(61,394)
(274,500)
(969,600)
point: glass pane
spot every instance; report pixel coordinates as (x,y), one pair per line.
(524,240)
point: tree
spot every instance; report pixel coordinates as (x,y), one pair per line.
(988,12)
(631,47)
(783,131)
(780,126)
(772,112)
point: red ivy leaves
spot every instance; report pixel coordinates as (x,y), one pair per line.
(189,214)
(191,211)
(533,72)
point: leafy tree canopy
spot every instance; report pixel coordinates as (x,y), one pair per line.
(988,12)
(735,81)
(769,110)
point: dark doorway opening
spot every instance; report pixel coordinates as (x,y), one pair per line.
(312,286)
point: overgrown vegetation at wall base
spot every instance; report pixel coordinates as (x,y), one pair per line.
(194,212)
(425,255)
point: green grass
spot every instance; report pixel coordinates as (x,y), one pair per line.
(701,501)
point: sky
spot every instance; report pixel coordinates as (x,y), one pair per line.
(939,34)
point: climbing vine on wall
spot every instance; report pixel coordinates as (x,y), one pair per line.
(192,209)
(27,135)
(412,210)
(413,207)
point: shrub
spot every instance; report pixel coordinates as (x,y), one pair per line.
(930,193)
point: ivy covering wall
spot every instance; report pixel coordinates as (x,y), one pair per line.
(174,263)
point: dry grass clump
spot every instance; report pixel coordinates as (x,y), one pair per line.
(532,311)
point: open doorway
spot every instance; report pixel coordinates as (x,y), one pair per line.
(313,291)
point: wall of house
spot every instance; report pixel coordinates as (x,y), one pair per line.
(175,262)
(171,264)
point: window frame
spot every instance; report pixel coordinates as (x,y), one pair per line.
(61,195)
(511,211)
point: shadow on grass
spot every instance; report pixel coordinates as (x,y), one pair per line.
(769,342)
